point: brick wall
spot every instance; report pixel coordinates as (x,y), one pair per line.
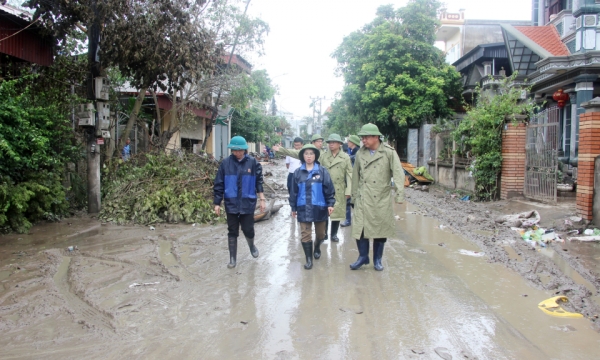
(512,178)
(589,149)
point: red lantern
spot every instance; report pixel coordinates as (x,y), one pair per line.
(561,98)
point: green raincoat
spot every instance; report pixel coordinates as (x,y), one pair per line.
(340,170)
(371,192)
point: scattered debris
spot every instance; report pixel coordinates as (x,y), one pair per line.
(268,173)
(553,308)
(143,284)
(194,224)
(465,198)
(244,322)
(584,238)
(471,253)
(72,248)
(152,228)
(523,220)
(418,352)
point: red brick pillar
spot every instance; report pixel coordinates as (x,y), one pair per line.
(589,149)
(512,177)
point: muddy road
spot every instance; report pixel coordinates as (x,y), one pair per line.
(129,292)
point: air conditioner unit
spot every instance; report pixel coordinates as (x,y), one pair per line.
(589,20)
(106,134)
(102,88)
(103,110)
(85,115)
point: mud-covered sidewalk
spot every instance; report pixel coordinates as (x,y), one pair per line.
(455,285)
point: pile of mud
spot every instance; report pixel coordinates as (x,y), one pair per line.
(475,222)
(157,187)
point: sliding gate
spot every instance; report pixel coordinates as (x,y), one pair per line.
(541,155)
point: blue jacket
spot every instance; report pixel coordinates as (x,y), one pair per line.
(312,193)
(352,153)
(238,182)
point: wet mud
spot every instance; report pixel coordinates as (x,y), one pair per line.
(450,289)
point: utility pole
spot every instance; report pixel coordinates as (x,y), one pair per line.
(92,148)
(318,126)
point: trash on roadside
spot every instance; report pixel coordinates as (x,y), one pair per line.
(396,217)
(152,228)
(471,253)
(465,198)
(594,232)
(143,284)
(443,227)
(584,238)
(552,308)
(522,220)
(194,224)
(573,232)
(72,248)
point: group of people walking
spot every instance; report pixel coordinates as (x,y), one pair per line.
(322,186)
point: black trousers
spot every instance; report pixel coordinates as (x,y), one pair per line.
(235,220)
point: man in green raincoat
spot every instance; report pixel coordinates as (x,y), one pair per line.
(375,165)
(339,166)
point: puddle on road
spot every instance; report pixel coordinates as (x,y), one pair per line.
(567,269)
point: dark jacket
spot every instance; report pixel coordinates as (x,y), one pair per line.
(312,193)
(238,182)
(352,153)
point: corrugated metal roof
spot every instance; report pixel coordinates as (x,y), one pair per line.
(23,42)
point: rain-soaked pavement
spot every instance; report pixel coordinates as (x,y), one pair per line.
(128,292)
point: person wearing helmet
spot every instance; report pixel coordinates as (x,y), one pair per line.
(316,140)
(375,165)
(239,182)
(353,147)
(312,199)
(339,166)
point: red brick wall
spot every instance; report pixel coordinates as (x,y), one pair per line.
(589,149)
(512,178)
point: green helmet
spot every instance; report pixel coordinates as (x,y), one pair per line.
(238,143)
(309,146)
(355,139)
(369,129)
(316,137)
(334,137)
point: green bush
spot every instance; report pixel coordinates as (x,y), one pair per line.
(35,144)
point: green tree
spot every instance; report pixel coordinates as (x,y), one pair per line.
(341,121)
(395,77)
(481,132)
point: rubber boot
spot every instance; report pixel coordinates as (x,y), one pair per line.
(232,252)
(378,254)
(363,254)
(335,225)
(348,221)
(317,252)
(253,249)
(326,230)
(308,249)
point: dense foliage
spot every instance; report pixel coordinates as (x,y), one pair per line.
(36,142)
(156,187)
(481,131)
(395,77)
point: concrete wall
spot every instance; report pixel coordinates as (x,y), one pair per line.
(445,177)
(413,146)
(425,142)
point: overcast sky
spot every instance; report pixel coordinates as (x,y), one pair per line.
(304,33)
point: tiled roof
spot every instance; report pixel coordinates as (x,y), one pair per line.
(547,37)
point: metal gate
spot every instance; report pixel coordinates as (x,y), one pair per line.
(541,155)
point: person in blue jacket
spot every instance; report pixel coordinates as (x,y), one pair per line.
(239,181)
(312,197)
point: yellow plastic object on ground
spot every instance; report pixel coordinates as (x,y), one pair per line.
(552,308)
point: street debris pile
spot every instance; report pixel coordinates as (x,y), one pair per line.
(526,224)
(157,187)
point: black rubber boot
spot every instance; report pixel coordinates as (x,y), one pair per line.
(335,225)
(317,252)
(363,254)
(232,252)
(378,254)
(308,252)
(326,230)
(253,249)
